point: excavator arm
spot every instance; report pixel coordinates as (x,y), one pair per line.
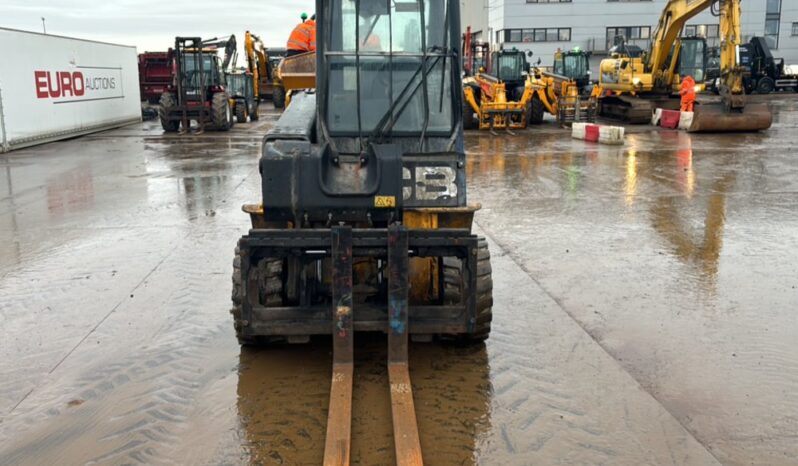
(253,47)
(671,22)
(731,72)
(229,46)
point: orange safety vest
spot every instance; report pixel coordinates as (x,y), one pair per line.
(688,89)
(303,37)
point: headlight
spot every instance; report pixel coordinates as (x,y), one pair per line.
(698,88)
(636,81)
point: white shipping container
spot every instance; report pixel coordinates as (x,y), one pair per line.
(54,87)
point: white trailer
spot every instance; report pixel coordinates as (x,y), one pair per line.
(54,87)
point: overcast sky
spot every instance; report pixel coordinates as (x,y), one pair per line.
(153,25)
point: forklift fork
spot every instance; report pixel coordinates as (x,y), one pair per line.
(339,422)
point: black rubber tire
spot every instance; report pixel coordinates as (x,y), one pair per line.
(253,113)
(453,292)
(765,86)
(221,114)
(469,117)
(271,290)
(167,102)
(278,97)
(536,111)
(241,111)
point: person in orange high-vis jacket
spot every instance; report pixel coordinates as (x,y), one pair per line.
(302,38)
(687,92)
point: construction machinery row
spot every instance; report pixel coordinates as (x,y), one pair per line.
(503,91)
(508,93)
(191,82)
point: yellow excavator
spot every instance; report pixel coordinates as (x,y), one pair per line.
(633,86)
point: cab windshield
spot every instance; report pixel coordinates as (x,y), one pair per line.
(692,59)
(191,67)
(510,66)
(237,84)
(572,66)
(389,67)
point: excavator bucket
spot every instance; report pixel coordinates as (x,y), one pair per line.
(713,118)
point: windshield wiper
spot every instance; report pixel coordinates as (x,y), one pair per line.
(382,126)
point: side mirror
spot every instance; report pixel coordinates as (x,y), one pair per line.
(539,61)
(529,53)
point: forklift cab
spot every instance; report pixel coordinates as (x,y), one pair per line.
(199,72)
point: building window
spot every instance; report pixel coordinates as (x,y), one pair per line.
(535,35)
(632,35)
(548,1)
(772,21)
(707,31)
(795,29)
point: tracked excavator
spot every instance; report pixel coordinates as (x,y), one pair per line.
(364,224)
(633,86)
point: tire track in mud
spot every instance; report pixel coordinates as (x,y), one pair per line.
(557,396)
(132,409)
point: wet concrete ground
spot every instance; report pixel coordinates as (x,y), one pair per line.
(645,308)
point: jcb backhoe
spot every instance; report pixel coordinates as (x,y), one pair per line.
(502,97)
(633,87)
(243,83)
(564,92)
(364,223)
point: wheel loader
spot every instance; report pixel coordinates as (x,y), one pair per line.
(632,87)
(198,91)
(364,223)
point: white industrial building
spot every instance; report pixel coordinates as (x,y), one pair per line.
(543,26)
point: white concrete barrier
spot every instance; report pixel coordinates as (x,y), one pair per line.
(612,135)
(598,133)
(685,120)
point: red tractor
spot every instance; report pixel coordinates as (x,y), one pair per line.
(199,86)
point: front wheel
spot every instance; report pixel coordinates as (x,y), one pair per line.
(535,110)
(278,97)
(765,86)
(469,119)
(167,104)
(455,291)
(241,111)
(269,276)
(222,115)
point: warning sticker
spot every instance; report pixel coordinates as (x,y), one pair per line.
(384,202)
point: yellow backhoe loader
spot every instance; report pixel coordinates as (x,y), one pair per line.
(503,98)
(564,92)
(633,86)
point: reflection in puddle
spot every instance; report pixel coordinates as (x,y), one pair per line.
(283,395)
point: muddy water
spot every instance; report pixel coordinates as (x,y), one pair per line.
(644,309)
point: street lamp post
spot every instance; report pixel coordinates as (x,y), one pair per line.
(44,27)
